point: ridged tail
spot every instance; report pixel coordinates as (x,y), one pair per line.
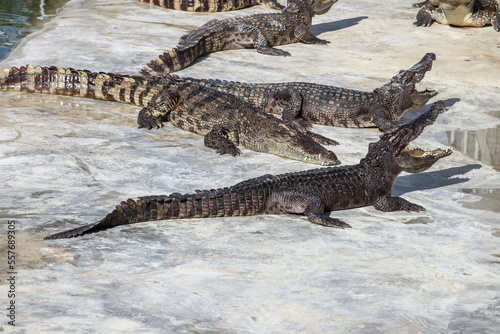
(205,204)
(82,83)
(202,5)
(204,40)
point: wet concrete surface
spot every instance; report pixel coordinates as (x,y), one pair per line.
(66,162)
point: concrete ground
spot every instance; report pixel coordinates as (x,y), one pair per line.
(65,162)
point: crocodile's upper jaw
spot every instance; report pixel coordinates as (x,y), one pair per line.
(320,7)
(394,145)
(401,94)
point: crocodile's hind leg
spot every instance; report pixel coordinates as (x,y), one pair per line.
(483,17)
(219,139)
(296,200)
(495,21)
(150,116)
(246,36)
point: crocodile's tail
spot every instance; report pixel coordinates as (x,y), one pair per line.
(204,40)
(202,5)
(212,5)
(67,81)
(213,203)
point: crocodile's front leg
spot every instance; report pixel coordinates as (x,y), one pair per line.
(150,116)
(289,103)
(427,14)
(244,36)
(219,139)
(382,121)
(301,201)
(387,203)
(303,34)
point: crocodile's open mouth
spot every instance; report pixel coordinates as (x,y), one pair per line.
(417,160)
(420,98)
(418,153)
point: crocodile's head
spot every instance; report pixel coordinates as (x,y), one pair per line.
(320,7)
(285,141)
(400,94)
(314,7)
(392,153)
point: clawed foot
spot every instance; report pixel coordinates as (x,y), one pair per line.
(321,139)
(321,41)
(233,150)
(328,221)
(411,207)
(273,52)
(424,19)
(495,22)
(147,120)
(300,124)
(420,4)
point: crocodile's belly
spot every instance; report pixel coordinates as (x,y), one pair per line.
(459,16)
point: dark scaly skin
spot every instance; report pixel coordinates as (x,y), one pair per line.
(212,5)
(462,13)
(336,106)
(259,31)
(222,119)
(310,193)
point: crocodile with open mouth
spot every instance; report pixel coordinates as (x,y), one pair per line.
(328,105)
(309,193)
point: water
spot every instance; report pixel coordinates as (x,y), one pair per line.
(480,144)
(19,18)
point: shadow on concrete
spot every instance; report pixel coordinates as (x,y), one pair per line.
(336,25)
(410,115)
(431,180)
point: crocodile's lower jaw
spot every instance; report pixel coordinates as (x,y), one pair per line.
(419,153)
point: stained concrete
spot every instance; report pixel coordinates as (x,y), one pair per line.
(65,162)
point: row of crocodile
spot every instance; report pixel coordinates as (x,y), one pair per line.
(463,13)
(229,114)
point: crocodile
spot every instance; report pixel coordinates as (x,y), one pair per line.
(327,105)
(222,119)
(212,5)
(259,31)
(309,193)
(462,13)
